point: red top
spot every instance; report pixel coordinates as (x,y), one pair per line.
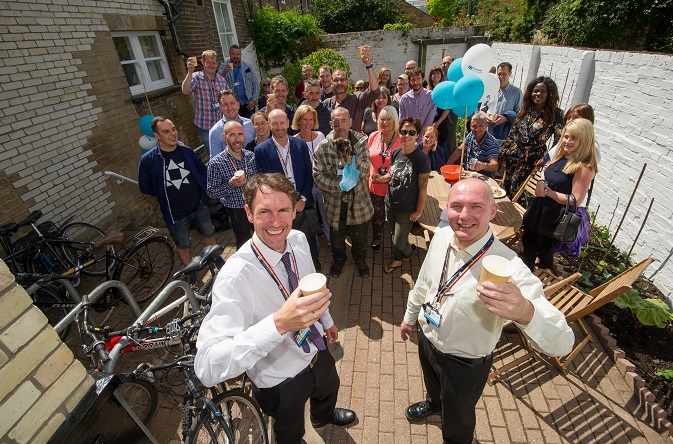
(377,160)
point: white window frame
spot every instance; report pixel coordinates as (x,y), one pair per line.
(140,65)
(221,35)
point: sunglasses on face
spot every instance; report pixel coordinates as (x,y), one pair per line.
(266,85)
(339,79)
(409,132)
(359,88)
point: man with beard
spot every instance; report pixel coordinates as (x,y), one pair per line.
(347,211)
(358,102)
(225,182)
(312,94)
(418,101)
(242,79)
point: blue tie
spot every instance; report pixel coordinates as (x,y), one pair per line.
(314,336)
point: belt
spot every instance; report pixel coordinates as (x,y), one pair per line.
(471,361)
(307,368)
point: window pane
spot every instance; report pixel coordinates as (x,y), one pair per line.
(124,50)
(131,74)
(222,18)
(154,68)
(148,45)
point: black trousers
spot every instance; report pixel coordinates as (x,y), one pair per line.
(358,235)
(536,246)
(455,386)
(240,224)
(285,402)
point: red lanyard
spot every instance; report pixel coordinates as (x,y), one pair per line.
(233,165)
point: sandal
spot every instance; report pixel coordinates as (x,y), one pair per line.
(390,268)
(413,250)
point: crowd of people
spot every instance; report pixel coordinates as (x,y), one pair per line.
(344,157)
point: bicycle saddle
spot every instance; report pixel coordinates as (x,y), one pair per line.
(193,265)
(13,228)
(210,253)
(112,237)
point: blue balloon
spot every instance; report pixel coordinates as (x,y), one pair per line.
(146,125)
(455,71)
(464,111)
(442,95)
(468,90)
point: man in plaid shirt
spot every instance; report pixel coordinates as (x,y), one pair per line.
(345,210)
(206,85)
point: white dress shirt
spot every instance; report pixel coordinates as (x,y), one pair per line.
(238,334)
(467,328)
(285,159)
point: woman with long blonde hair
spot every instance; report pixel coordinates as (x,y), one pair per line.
(569,172)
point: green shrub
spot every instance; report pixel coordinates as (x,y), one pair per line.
(355,15)
(284,36)
(398,26)
(292,73)
(327,57)
(652,312)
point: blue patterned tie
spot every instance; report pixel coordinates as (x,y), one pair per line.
(314,336)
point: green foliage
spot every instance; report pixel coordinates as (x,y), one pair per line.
(442,10)
(284,36)
(665,373)
(326,56)
(652,312)
(398,26)
(355,15)
(506,20)
(292,73)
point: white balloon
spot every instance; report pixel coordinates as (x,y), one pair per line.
(147,143)
(478,60)
(491,87)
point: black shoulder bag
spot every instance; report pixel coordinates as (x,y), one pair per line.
(567,224)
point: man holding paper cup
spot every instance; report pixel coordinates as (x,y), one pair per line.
(469,285)
(261,321)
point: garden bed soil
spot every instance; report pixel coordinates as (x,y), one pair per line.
(648,348)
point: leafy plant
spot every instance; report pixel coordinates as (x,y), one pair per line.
(442,10)
(652,312)
(398,26)
(326,56)
(665,373)
(284,36)
(355,15)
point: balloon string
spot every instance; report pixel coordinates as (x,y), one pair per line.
(462,153)
(147,99)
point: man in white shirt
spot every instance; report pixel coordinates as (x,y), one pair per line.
(461,320)
(230,106)
(259,324)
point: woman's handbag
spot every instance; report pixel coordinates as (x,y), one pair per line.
(567,225)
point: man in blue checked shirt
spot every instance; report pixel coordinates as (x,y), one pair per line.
(242,79)
(228,172)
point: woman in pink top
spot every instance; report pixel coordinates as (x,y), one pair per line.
(381,144)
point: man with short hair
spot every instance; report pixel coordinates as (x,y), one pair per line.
(358,102)
(461,319)
(230,106)
(288,155)
(325,77)
(280,90)
(227,186)
(205,85)
(446,62)
(482,148)
(312,94)
(176,176)
(346,211)
(306,73)
(417,102)
(503,112)
(411,64)
(261,323)
(242,79)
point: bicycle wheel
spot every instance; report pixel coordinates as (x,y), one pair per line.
(44,299)
(242,417)
(80,249)
(141,396)
(146,267)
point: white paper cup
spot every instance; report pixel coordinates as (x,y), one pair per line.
(231,65)
(496,269)
(194,61)
(239,173)
(312,283)
(270,96)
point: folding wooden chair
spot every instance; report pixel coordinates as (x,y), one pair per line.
(575,304)
(529,185)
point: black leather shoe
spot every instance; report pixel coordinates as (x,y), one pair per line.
(363,269)
(420,411)
(337,266)
(340,417)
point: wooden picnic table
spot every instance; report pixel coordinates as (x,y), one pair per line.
(507,220)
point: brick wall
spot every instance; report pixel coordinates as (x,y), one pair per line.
(41,380)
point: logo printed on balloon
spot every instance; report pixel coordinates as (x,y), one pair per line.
(478,60)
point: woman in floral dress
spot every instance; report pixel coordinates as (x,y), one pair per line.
(539,119)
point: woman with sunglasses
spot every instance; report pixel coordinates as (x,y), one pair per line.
(381,144)
(260,122)
(371,114)
(407,188)
(267,89)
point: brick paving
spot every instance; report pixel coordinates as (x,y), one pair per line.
(381,375)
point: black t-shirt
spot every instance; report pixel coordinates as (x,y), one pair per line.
(183,191)
(402,193)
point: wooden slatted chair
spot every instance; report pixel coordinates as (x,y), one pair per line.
(575,304)
(529,185)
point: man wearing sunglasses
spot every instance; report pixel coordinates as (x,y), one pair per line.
(358,102)
(418,101)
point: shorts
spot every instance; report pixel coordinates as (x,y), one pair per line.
(180,228)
